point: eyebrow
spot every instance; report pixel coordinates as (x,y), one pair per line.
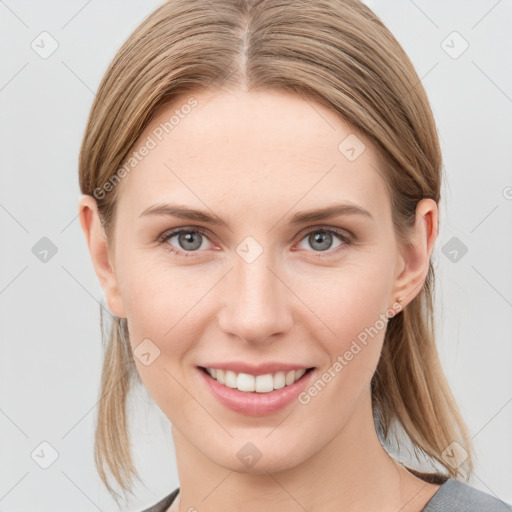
(183,212)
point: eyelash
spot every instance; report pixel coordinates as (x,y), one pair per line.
(346,239)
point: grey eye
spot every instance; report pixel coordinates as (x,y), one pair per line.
(321,240)
(188,240)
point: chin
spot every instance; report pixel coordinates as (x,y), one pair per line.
(256,458)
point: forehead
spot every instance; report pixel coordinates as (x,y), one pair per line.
(268,148)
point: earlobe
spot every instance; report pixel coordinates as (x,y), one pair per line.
(416,255)
(100,255)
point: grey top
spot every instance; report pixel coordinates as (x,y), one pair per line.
(452,496)
(455,496)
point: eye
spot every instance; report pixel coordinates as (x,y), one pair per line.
(187,241)
(322,238)
(191,240)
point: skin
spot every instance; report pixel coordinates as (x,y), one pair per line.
(255,159)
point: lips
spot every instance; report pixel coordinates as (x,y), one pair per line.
(249,401)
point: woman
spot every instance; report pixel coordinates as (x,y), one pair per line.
(261,185)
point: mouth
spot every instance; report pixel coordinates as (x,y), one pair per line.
(248,383)
(255,395)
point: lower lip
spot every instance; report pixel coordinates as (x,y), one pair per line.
(256,404)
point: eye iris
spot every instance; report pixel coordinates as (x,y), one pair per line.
(321,237)
(187,238)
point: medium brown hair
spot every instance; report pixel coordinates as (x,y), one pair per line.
(335,52)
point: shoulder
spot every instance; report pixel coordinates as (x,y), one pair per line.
(164,503)
(456,496)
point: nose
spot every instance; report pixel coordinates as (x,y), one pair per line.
(255,302)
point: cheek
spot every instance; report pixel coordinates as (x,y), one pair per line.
(163,322)
(154,294)
(164,305)
(352,305)
(356,311)
(348,301)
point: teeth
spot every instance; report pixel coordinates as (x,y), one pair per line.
(230,379)
(249,383)
(245,382)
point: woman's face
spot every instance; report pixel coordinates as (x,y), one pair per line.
(265,284)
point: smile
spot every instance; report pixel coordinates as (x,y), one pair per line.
(258,390)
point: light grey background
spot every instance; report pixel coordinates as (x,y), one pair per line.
(50,348)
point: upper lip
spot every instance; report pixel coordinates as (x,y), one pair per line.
(258,369)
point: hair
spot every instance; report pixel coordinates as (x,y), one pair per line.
(335,52)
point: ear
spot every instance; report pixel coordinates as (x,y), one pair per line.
(100,254)
(415,256)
